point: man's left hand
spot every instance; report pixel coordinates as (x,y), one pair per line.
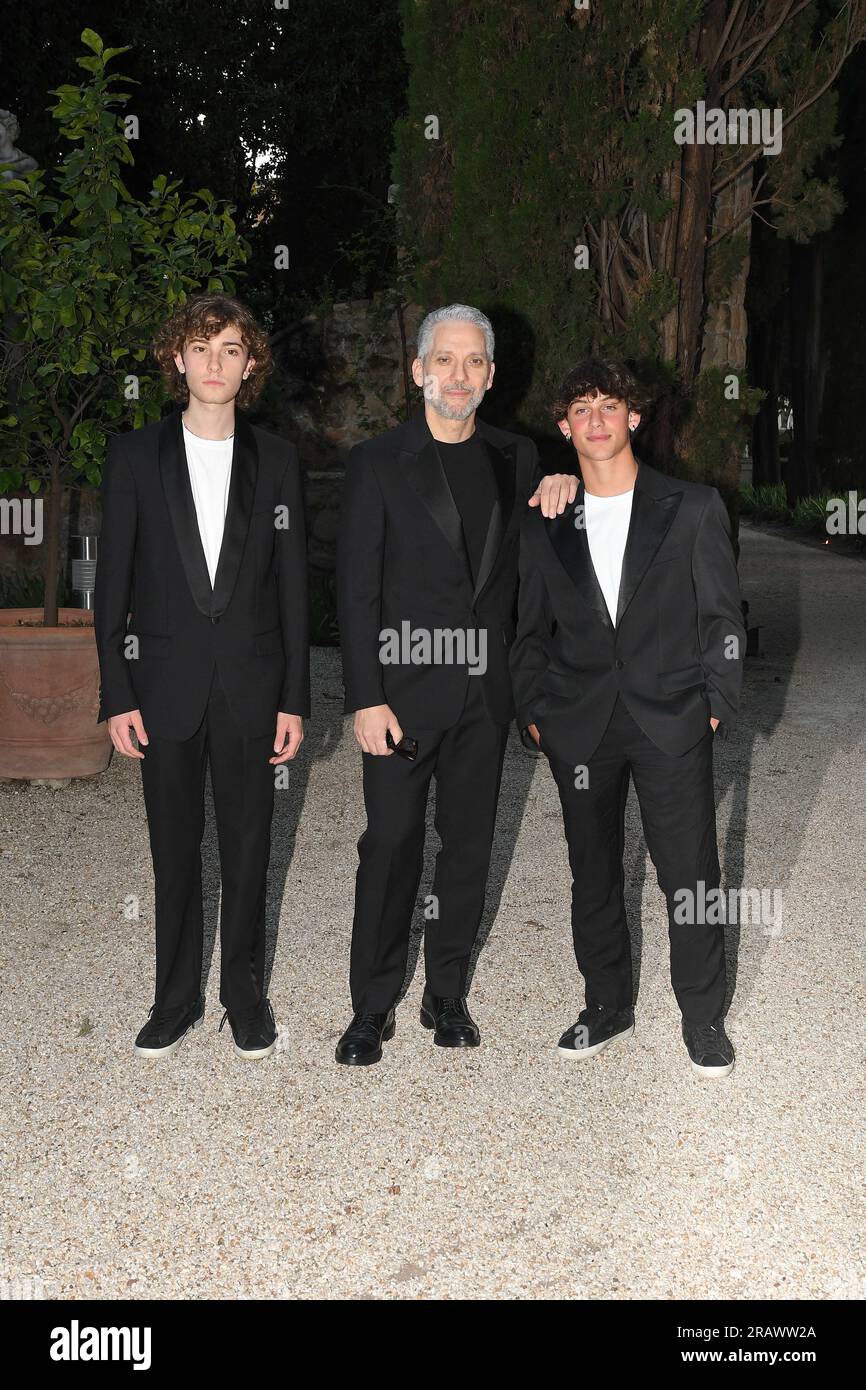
(714,723)
(289,737)
(554,493)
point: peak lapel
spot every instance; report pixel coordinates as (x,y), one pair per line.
(245,465)
(504,465)
(422,468)
(570,543)
(181,508)
(652,513)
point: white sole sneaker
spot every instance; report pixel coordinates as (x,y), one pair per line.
(582,1054)
(259,1052)
(172,1047)
(711,1073)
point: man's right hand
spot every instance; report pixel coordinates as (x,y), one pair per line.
(371,726)
(534,734)
(119,726)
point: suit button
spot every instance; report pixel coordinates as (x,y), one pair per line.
(619,664)
(214,620)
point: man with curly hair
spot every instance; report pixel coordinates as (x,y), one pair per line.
(628,657)
(203,549)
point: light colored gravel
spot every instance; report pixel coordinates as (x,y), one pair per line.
(503,1173)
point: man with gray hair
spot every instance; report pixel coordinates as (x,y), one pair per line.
(427,585)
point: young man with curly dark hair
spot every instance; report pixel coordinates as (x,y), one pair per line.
(203,549)
(628,657)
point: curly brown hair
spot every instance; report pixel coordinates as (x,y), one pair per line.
(599,376)
(202,317)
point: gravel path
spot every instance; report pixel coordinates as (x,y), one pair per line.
(506,1172)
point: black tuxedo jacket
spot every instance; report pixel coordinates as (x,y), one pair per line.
(252,625)
(671,655)
(402,559)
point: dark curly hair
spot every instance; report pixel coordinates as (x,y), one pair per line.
(600,376)
(202,317)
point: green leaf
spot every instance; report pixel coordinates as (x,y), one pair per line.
(93,41)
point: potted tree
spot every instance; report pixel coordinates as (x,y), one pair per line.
(88,272)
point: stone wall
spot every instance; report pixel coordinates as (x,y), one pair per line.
(339,379)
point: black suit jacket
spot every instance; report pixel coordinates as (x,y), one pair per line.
(252,625)
(671,655)
(402,559)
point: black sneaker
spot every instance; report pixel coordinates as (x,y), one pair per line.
(596,1029)
(166,1029)
(709,1048)
(255,1033)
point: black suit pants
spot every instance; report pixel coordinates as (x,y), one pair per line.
(466,760)
(173,777)
(677,808)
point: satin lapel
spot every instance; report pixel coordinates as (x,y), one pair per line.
(424,471)
(572,548)
(245,467)
(651,519)
(504,465)
(181,508)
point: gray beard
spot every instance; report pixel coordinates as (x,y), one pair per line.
(448,411)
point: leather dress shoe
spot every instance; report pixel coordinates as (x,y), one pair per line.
(451,1020)
(361,1044)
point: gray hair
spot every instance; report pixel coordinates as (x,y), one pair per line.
(465,313)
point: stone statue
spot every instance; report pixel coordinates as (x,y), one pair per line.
(10,154)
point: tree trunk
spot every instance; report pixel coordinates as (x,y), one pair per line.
(685,243)
(51,540)
(766,350)
(807,370)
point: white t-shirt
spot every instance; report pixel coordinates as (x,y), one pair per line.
(210,469)
(607,522)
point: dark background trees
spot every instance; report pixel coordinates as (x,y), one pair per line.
(555,132)
(288,114)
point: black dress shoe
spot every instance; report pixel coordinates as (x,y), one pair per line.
(596,1028)
(166,1029)
(451,1019)
(361,1044)
(255,1033)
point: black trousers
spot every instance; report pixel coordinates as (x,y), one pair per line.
(173,776)
(466,761)
(677,808)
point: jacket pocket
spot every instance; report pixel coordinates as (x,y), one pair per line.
(673,681)
(562,683)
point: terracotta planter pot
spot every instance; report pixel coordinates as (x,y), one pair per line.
(49,697)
